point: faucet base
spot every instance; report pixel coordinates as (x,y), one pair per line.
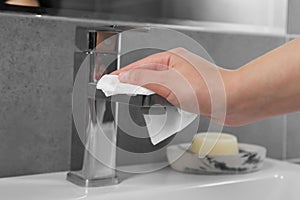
(77,179)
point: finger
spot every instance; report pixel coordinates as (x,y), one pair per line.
(159,58)
(149,66)
(157,81)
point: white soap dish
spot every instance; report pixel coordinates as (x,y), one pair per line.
(249,159)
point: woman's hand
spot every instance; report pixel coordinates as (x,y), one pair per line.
(264,87)
(183,78)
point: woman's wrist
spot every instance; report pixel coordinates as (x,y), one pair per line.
(233,90)
(246,101)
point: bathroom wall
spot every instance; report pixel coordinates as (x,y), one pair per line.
(293,25)
(293,136)
(36,65)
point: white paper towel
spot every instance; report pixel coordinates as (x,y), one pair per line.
(159,127)
(111,85)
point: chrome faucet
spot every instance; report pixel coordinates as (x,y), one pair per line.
(100,49)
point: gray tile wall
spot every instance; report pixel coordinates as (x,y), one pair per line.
(293,136)
(232,50)
(293,24)
(36,84)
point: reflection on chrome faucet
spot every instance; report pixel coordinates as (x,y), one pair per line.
(100,126)
(100,159)
(98,130)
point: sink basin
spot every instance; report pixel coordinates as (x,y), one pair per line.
(276,181)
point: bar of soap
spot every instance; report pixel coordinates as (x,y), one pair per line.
(214,144)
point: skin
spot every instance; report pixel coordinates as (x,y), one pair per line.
(264,87)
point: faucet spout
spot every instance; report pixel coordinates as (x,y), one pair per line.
(101,49)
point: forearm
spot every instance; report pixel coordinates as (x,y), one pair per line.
(267,86)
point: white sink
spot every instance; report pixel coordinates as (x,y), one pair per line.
(276,181)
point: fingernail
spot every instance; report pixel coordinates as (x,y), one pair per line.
(123,76)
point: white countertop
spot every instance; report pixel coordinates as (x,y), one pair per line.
(156,184)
